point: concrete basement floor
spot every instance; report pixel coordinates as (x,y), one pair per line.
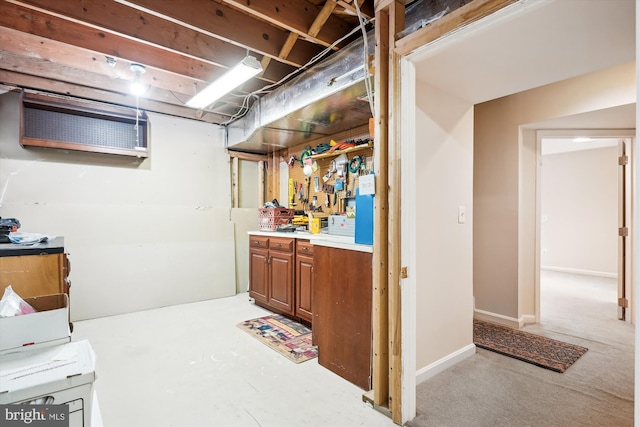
(189,365)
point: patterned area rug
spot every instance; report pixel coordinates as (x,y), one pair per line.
(544,352)
(284,335)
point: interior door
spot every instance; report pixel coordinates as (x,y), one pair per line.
(624,228)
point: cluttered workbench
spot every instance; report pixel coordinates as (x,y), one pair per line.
(325,281)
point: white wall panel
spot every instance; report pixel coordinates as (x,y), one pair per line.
(141,234)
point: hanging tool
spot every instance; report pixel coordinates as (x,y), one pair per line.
(308,181)
(292,192)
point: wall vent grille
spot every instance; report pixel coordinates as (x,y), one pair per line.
(82,126)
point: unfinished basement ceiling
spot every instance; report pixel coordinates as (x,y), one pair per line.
(85,48)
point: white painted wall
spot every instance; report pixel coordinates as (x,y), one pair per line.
(139,235)
(505,229)
(444,250)
(579,208)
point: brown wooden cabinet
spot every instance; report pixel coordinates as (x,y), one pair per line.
(304,280)
(271,273)
(35,270)
(342,307)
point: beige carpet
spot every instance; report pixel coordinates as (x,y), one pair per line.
(489,389)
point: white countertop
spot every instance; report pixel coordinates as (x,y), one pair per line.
(320,239)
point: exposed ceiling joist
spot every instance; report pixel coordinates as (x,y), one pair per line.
(64,46)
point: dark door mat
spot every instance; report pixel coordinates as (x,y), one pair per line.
(541,351)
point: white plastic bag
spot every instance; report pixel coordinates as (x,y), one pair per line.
(12,305)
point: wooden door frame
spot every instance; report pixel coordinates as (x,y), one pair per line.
(394,358)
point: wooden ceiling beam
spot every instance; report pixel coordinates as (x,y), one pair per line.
(110,44)
(40,84)
(296,16)
(25,20)
(108,16)
(162,100)
(209,43)
(227,24)
(117,75)
(321,18)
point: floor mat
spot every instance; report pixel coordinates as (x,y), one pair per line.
(541,351)
(286,336)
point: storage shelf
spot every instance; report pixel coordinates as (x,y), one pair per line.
(346,150)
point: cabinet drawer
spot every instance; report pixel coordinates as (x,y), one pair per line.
(279,244)
(304,247)
(258,242)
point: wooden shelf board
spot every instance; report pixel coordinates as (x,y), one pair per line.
(346,150)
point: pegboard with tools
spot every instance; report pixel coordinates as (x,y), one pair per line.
(322,183)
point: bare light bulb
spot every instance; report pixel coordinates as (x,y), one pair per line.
(137,87)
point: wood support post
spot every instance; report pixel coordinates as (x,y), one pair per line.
(396,24)
(387,355)
(380,239)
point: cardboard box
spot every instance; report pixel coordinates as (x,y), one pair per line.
(49,326)
(55,375)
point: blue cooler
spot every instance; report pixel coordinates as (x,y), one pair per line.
(364,218)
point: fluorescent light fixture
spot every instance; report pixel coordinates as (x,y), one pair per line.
(233,78)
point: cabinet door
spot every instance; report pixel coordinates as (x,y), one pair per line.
(304,286)
(281,289)
(342,307)
(33,275)
(258,274)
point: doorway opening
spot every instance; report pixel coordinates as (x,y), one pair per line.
(584,214)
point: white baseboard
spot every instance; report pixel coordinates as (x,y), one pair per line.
(511,322)
(434,368)
(529,319)
(579,271)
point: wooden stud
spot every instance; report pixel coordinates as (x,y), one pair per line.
(380,239)
(396,24)
(235,182)
(274,184)
(247,156)
(261,183)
